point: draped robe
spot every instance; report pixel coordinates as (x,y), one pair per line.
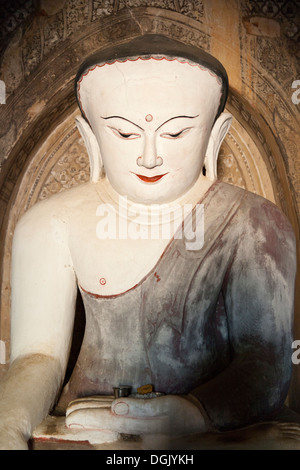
(215,322)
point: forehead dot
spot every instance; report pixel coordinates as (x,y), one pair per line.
(149,118)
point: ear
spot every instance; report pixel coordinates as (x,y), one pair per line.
(217,136)
(96,165)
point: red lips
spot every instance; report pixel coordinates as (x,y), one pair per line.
(150,179)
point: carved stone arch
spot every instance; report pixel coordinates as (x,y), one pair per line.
(45,154)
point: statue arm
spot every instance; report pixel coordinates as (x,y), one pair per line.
(258,293)
(42,314)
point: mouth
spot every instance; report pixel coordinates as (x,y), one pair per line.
(150,179)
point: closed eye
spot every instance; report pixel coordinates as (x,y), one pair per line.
(177,135)
(125,135)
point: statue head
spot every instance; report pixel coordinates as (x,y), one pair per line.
(152,116)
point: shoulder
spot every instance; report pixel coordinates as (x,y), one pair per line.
(265,235)
(256,221)
(57,210)
(266,217)
(255,209)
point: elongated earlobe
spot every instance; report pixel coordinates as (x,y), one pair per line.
(217,136)
(96,165)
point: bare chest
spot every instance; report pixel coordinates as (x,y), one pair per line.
(111,267)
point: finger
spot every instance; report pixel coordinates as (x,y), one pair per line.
(140,407)
(89,402)
(104,419)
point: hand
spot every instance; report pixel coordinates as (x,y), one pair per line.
(169,414)
(175,414)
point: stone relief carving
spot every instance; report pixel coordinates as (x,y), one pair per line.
(49,26)
(286,12)
(70,170)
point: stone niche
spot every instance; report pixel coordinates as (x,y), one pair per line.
(42,151)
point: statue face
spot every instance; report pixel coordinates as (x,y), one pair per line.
(152,120)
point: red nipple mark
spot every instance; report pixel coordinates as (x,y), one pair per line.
(102,281)
(157,277)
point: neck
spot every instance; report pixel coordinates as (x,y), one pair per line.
(153,214)
(191,196)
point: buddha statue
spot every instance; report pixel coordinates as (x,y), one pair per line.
(187,282)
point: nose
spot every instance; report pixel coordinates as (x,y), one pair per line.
(149,159)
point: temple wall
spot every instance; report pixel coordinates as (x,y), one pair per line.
(42,152)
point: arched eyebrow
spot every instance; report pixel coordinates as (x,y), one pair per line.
(168,120)
(124,119)
(176,117)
